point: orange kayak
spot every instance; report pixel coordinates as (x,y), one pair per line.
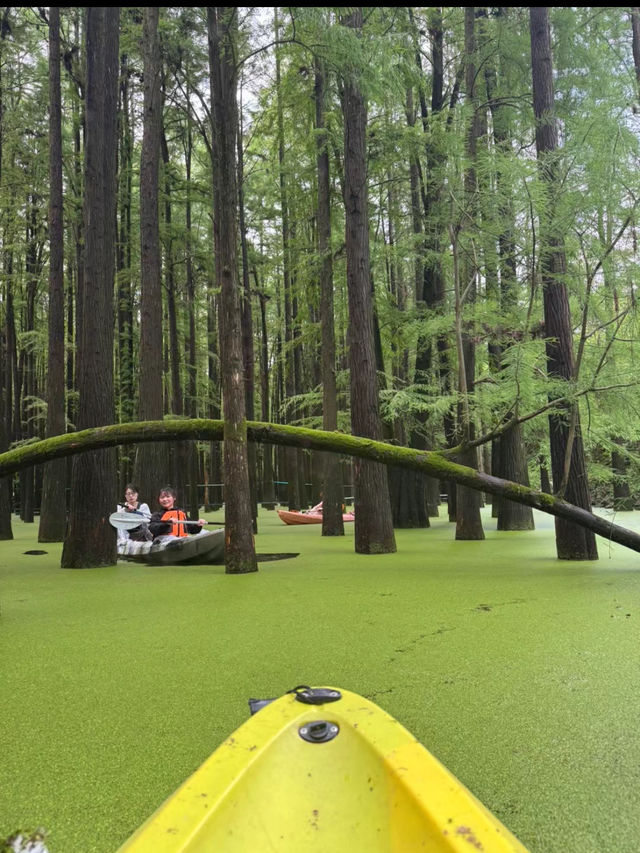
(308,517)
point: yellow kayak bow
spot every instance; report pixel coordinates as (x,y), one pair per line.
(316,770)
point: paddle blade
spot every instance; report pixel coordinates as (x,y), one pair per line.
(125,520)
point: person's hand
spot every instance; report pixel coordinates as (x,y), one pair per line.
(202,521)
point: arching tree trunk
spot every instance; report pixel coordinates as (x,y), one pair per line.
(430,463)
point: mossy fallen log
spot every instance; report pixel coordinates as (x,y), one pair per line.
(429,462)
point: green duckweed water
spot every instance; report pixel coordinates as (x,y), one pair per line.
(520,672)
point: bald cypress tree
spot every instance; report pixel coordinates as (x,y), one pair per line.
(151,460)
(373,524)
(53,512)
(239,551)
(90,540)
(565,437)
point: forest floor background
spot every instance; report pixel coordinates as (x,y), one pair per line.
(521,673)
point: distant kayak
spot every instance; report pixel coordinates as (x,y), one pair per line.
(290,517)
(202,549)
(322,770)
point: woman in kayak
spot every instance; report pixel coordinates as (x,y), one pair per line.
(132,504)
(170,520)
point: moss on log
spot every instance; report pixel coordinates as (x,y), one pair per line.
(429,462)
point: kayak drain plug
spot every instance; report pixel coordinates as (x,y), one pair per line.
(318,731)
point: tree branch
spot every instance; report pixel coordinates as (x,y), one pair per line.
(428,462)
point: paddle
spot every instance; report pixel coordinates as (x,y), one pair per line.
(129,520)
(126,520)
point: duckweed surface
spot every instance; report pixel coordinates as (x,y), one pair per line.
(520,672)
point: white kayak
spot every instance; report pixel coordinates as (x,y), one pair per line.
(203,548)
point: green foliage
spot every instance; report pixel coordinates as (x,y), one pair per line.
(593,206)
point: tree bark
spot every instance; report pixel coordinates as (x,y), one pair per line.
(247,332)
(90,541)
(567,455)
(635,43)
(239,547)
(6,531)
(468,521)
(268,491)
(294,496)
(508,451)
(373,524)
(622,498)
(332,497)
(427,189)
(151,462)
(124,306)
(53,511)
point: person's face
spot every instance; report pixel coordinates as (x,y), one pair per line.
(166,500)
(131,496)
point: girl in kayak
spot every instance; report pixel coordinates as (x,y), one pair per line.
(170,520)
(132,504)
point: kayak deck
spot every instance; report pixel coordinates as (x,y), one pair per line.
(371,787)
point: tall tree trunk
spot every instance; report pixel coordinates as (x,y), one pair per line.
(508,452)
(74,307)
(192,369)
(622,498)
(27,378)
(124,308)
(239,547)
(413,496)
(567,455)
(214,405)
(151,461)
(9,368)
(468,521)
(179,465)
(431,359)
(6,531)
(247,333)
(332,523)
(53,512)
(635,43)
(373,524)
(294,497)
(90,540)
(269,499)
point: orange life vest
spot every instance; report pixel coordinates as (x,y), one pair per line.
(177,519)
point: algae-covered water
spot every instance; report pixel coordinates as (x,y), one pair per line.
(520,672)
